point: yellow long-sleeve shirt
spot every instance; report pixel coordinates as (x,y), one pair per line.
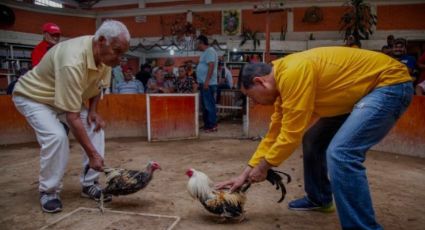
(324,82)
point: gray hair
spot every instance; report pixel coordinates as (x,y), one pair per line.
(112,29)
(252,70)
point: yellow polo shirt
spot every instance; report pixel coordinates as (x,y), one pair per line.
(66,76)
(323,82)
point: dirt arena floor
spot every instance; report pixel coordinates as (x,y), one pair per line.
(397,184)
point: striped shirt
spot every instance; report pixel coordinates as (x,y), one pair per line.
(130,87)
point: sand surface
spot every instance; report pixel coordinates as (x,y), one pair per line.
(397,184)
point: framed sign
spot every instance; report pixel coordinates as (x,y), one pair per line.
(231,22)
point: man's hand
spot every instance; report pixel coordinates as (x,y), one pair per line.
(95,118)
(206,85)
(259,172)
(235,182)
(96,162)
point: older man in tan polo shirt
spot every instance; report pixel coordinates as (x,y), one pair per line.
(72,72)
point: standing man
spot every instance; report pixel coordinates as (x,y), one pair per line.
(206,73)
(358,96)
(72,72)
(51,36)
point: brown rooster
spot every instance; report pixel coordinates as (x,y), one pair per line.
(121,182)
(221,202)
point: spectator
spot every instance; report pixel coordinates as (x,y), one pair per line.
(184,83)
(390,41)
(189,70)
(225,79)
(387,50)
(71,73)
(400,53)
(144,74)
(421,65)
(129,85)
(118,74)
(206,72)
(157,83)
(51,36)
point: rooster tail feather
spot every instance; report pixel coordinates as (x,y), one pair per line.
(275,179)
(283,190)
(288,177)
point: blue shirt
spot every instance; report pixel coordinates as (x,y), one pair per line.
(409,61)
(209,55)
(130,87)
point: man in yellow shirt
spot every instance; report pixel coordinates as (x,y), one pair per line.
(358,96)
(72,72)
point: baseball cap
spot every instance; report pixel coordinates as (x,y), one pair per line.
(51,28)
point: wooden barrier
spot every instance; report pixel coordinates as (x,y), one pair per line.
(13,126)
(172,116)
(230,103)
(125,116)
(407,137)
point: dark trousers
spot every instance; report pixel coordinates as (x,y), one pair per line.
(209,111)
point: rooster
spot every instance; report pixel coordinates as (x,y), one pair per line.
(227,205)
(121,182)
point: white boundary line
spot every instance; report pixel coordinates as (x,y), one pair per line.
(197,115)
(177,218)
(148,111)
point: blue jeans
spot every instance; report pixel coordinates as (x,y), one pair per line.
(337,146)
(209,111)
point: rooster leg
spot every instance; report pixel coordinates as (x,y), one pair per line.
(240,218)
(102,209)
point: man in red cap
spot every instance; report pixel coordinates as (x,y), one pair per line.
(51,36)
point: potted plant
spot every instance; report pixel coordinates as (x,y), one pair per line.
(358,20)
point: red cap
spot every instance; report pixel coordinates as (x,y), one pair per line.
(51,28)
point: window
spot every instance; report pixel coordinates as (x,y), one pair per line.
(48,3)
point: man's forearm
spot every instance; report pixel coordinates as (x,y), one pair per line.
(93,103)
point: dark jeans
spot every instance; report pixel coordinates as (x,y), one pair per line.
(337,146)
(209,111)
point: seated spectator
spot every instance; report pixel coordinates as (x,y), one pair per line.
(387,50)
(184,83)
(400,53)
(225,79)
(420,89)
(129,85)
(157,83)
(189,70)
(144,74)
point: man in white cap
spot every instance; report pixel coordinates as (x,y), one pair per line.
(51,36)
